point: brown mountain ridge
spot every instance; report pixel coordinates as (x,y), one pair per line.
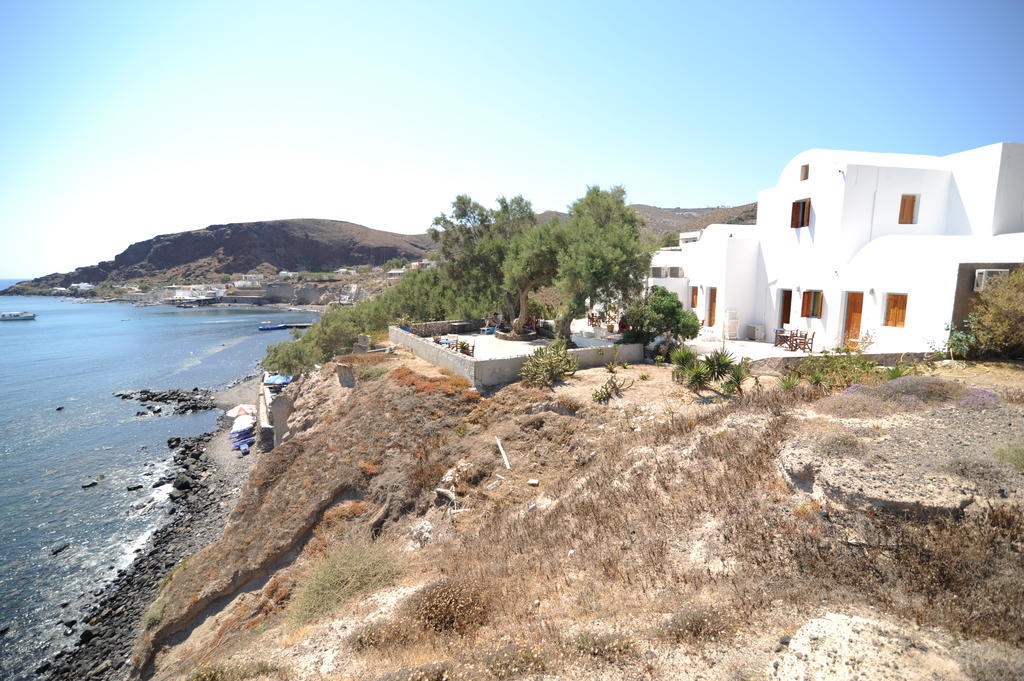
(272,245)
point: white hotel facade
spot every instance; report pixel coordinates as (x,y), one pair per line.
(850,244)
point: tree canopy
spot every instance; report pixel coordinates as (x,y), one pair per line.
(659,313)
(604,260)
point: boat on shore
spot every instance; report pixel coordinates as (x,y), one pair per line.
(16,316)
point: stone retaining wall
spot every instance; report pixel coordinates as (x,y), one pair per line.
(499,371)
(428,329)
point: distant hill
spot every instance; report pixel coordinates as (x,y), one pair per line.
(270,246)
(667,220)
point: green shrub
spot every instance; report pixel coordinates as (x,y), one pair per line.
(997,322)
(350,571)
(370,373)
(548,365)
(658,313)
(838,368)
(154,614)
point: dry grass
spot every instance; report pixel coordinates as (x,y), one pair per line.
(450,605)
(697,624)
(348,572)
(239,672)
(609,647)
(449,384)
(1013,455)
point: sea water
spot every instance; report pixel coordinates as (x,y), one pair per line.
(75,355)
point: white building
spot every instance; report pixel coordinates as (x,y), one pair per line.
(851,245)
(82,286)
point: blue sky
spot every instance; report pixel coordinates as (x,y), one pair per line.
(122,120)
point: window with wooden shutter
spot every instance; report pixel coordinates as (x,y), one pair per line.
(908,209)
(693,297)
(801,215)
(811,304)
(805,172)
(896,309)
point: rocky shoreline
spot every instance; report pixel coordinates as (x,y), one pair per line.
(201,497)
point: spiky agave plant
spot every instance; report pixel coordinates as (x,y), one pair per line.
(719,363)
(698,377)
(734,381)
(684,358)
(789,382)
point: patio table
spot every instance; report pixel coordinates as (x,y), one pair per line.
(781,337)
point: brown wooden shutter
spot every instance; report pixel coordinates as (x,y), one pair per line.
(896,309)
(820,300)
(794,219)
(806,220)
(907,204)
(805,304)
(693,297)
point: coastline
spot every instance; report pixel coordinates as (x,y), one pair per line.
(207,477)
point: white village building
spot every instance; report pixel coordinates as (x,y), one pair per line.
(850,245)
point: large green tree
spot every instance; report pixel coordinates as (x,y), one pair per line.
(474,242)
(603,261)
(532,262)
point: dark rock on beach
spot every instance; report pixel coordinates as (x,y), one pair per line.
(183,401)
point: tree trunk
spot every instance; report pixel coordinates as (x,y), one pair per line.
(524,305)
(562,329)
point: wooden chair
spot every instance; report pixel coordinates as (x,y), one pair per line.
(807,343)
(795,340)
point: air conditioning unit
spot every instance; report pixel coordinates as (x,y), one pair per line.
(755,332)
(983,278)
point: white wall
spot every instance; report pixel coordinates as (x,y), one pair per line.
(970,209)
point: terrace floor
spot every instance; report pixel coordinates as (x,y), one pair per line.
(755,350)
(489,347)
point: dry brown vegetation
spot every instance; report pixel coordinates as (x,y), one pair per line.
(681,533)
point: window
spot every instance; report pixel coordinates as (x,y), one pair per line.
(801,216)
(674,273)
(811,304)
(805,172)
(895,309)
(693,297)
(908,209)
(655,273)
(983,278)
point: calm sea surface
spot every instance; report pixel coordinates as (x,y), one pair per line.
(75,355)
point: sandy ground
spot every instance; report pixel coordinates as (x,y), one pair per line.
(232,468)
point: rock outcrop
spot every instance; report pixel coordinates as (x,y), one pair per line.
(306,244)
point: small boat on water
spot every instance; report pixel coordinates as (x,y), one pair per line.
(16,316)
(273,327)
